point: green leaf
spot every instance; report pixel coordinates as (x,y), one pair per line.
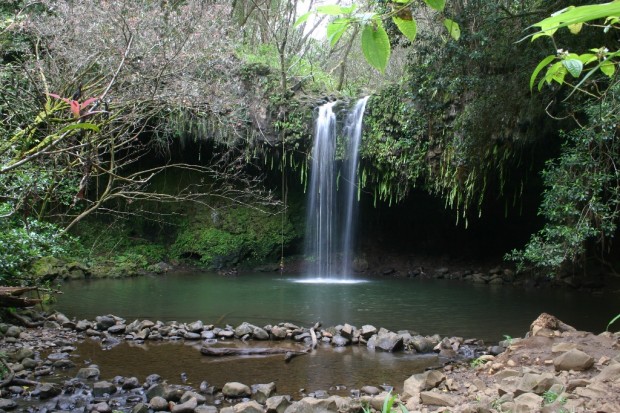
(616,318)
(302,19)
(436,4)
(608,67)
(575,28)
(575,15)
(376,46)
(330,9)
(85,125)
(407,27)
(336,29)
(453,28)
(543,63)
(574,66)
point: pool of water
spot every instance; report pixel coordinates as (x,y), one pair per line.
(445,307)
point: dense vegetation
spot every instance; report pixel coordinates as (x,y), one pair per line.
(135,132)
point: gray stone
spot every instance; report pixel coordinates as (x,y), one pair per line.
(196,326)
(436,398)
(117,329)
(48,390)
(103,387)
(347,331)
(277,404)
(155,390)
(260,334)
(174,393)
(13,331)
(22,353)
(278,333)
(101,407)
(29,363)
(203,408)
(104,322)
(312,405)
(573,360)
(609,373)
(187,407)
(191,394)
(51,325)
(422,344)
(248,407)
(158,404)
(83,325)
(88,373)
(418,383)
(235,389)
(140,408)
(389,342)
(130,383)
(370,390)
(368,331)
(535,383)
(261,392)
(339,341)
(528,402)
(58,356)
(7,404)
(243,329)
(191,336)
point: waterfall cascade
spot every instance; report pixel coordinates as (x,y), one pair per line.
(332,207)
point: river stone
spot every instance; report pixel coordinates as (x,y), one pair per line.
(152,379)
(421,382)
(277,404)
(436,398)
(311,405)
(208,335)
(573,360)
(389,342)
(145,324)
(130,383)
(101,407)
(422,344)
(158,404)
(370,390)
(187,407)
(191,336)
(261,392)
(155,390)
(368,331)
(42,371)
(564,347)
(83,325)
(535,383)
(339,341)
(260,334)
(88,373)
(189,394)
(48,390)
(196,326)
(51,325)
(104,322)
(58,356)
(203,408)
(243,329)
(609,373)
(140,408)
(63,364)
(173,393)
(7,404)
(528,402)
(225,333)
(13,331)
(103,387)
(347,331)
(248,407)
(278,333)
(22,353)
(117,329)
(236,389)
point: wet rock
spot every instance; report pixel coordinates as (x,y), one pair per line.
(436,398)
(573,360)
(370,390)
(310,404)
(21,354)
(158,404)
(368,331)
(248,407)
(196,327)
(173,393)
(389,341)
(347,331)
(88,373)
(83,325)
(140,408)
(278,333)
(260,334)
(13,331)
(117,329)
(528,402)
(277,404)
(48,390)
(104,322)
(191,336)
(226,333)
(261,392)
(339,341)
(156,390)
(422,344)
(152,379)
(205,409)
(101,407)
(42,371)
(418,383)
(187,407)
(103,388)
(130,383)
(63,364)
(7,404)
(243,329)
(236,390)
(191,394)
(58,356)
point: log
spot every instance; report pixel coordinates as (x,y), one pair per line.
(248,351)
(18,302)
(8,374)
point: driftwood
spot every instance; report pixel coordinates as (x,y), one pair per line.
(25,321)
(7,374)
(10,297)
(251,351)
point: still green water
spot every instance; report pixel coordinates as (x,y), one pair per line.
(434,306)
(449,308)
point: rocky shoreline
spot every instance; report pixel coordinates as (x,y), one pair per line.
(553,369)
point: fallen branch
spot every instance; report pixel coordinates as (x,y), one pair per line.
(7,374)
(252,351)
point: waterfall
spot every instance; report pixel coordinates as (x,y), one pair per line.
(330,220)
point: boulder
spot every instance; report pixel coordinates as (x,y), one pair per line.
(261,392)
(260,334)
(236,390)
(278,333)
(88,373)
(243,329)
(277,404)
(187,407)
(103,388)
(437,398)
(528,402)
(140,408)
(312,405)
(7,404)
(48,390)
(573,360)
(368,331)
(389,341)
(191,394)
(248,407)
(609,373)
(535,383)
(339,341)
(158,404)
(418,383)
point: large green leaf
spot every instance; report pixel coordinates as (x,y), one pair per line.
(376,46)
(407,27)
(302,19)
(330,9)
(608,67)
(575,15)
(438,5)
(453,28)
(574,66)
(84,125)
(336,29)
(543,63)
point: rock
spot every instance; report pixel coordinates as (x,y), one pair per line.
(29,363)
(248,407)
(609,373)
(117,329)
(101,407)
(311,405)
(243,329)
(187,407)
(368,331)
(278,333)
(202,408)
(389,342)
(370,390)
(236,390)
(83,325)
(104,322)
(191,394)
(260,333)
(130,383)
(528,402)
(422,382)
(103,388)
(155,390)
(196,326)
(158,404)
(339,341)
(535,383)
(277,404)
(48,390)
(13,331)
(174,393)
(140,408)
(573,360)
(22,353)
(564,347)
(7,404)
(261,392)
(436,398)
(545,323)
(422,344)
